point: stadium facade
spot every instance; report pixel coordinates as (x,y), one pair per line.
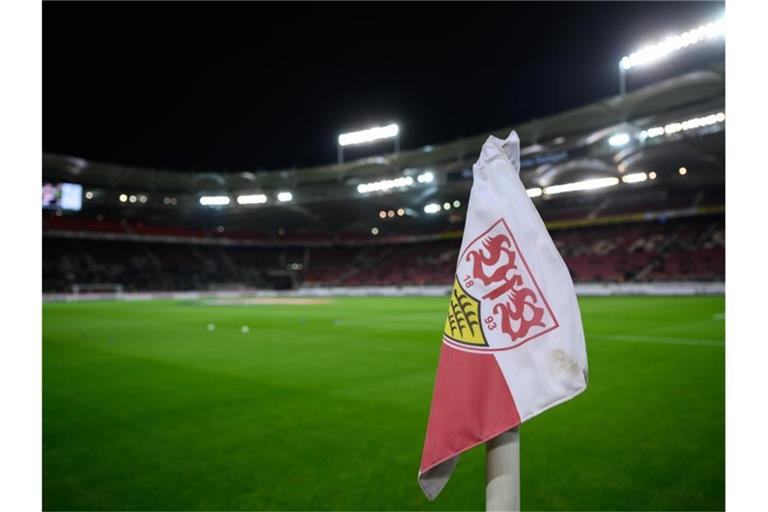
(631,187)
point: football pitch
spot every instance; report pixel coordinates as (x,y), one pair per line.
(324,406)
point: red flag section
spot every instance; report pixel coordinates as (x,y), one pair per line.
(470,405)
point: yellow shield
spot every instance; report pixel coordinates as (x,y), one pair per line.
(463,321)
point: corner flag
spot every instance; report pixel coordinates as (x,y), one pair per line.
(513,345)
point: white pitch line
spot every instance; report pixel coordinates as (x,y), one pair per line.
(703,342)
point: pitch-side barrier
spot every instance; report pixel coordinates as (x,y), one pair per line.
(583,289)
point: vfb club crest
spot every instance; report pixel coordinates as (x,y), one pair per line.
(496,303)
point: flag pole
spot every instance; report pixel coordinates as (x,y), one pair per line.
(502,472)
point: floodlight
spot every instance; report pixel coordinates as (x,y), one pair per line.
(581,185)
(653,132)
(432,208)
(252,199)
(682,126)
(384,185)
(214,200)
(619,139)
(654,52)
(369,135)
(533,192)
(635,177)
(284,197)
(426,177)
(671,44)
(375,134)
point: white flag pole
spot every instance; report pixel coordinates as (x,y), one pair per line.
(502,472)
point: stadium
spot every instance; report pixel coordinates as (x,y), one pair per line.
(621,211)
(267,340)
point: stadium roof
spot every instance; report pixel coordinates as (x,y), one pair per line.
(557,149)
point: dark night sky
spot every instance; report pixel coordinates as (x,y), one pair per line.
(245,86)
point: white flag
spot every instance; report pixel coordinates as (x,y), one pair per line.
(513,344)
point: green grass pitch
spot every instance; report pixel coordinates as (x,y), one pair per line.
(325,407)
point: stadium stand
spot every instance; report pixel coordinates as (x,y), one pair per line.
(676,249)
(661,218)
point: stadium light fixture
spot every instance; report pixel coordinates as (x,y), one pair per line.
(123,198)
(635,177)
(652,175)
(89,195)
(284,197)
(214,200)
(581,185)
(683,126)
(400,212)
(131,198)
(652,132)
(374,231)
(619,139)
(654,52)
(371,135)
(252,199)
(432,208)
(382,214)
(384,185)
(426,177)
(456,203)
(533,192)
(446,205)
(682,171)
